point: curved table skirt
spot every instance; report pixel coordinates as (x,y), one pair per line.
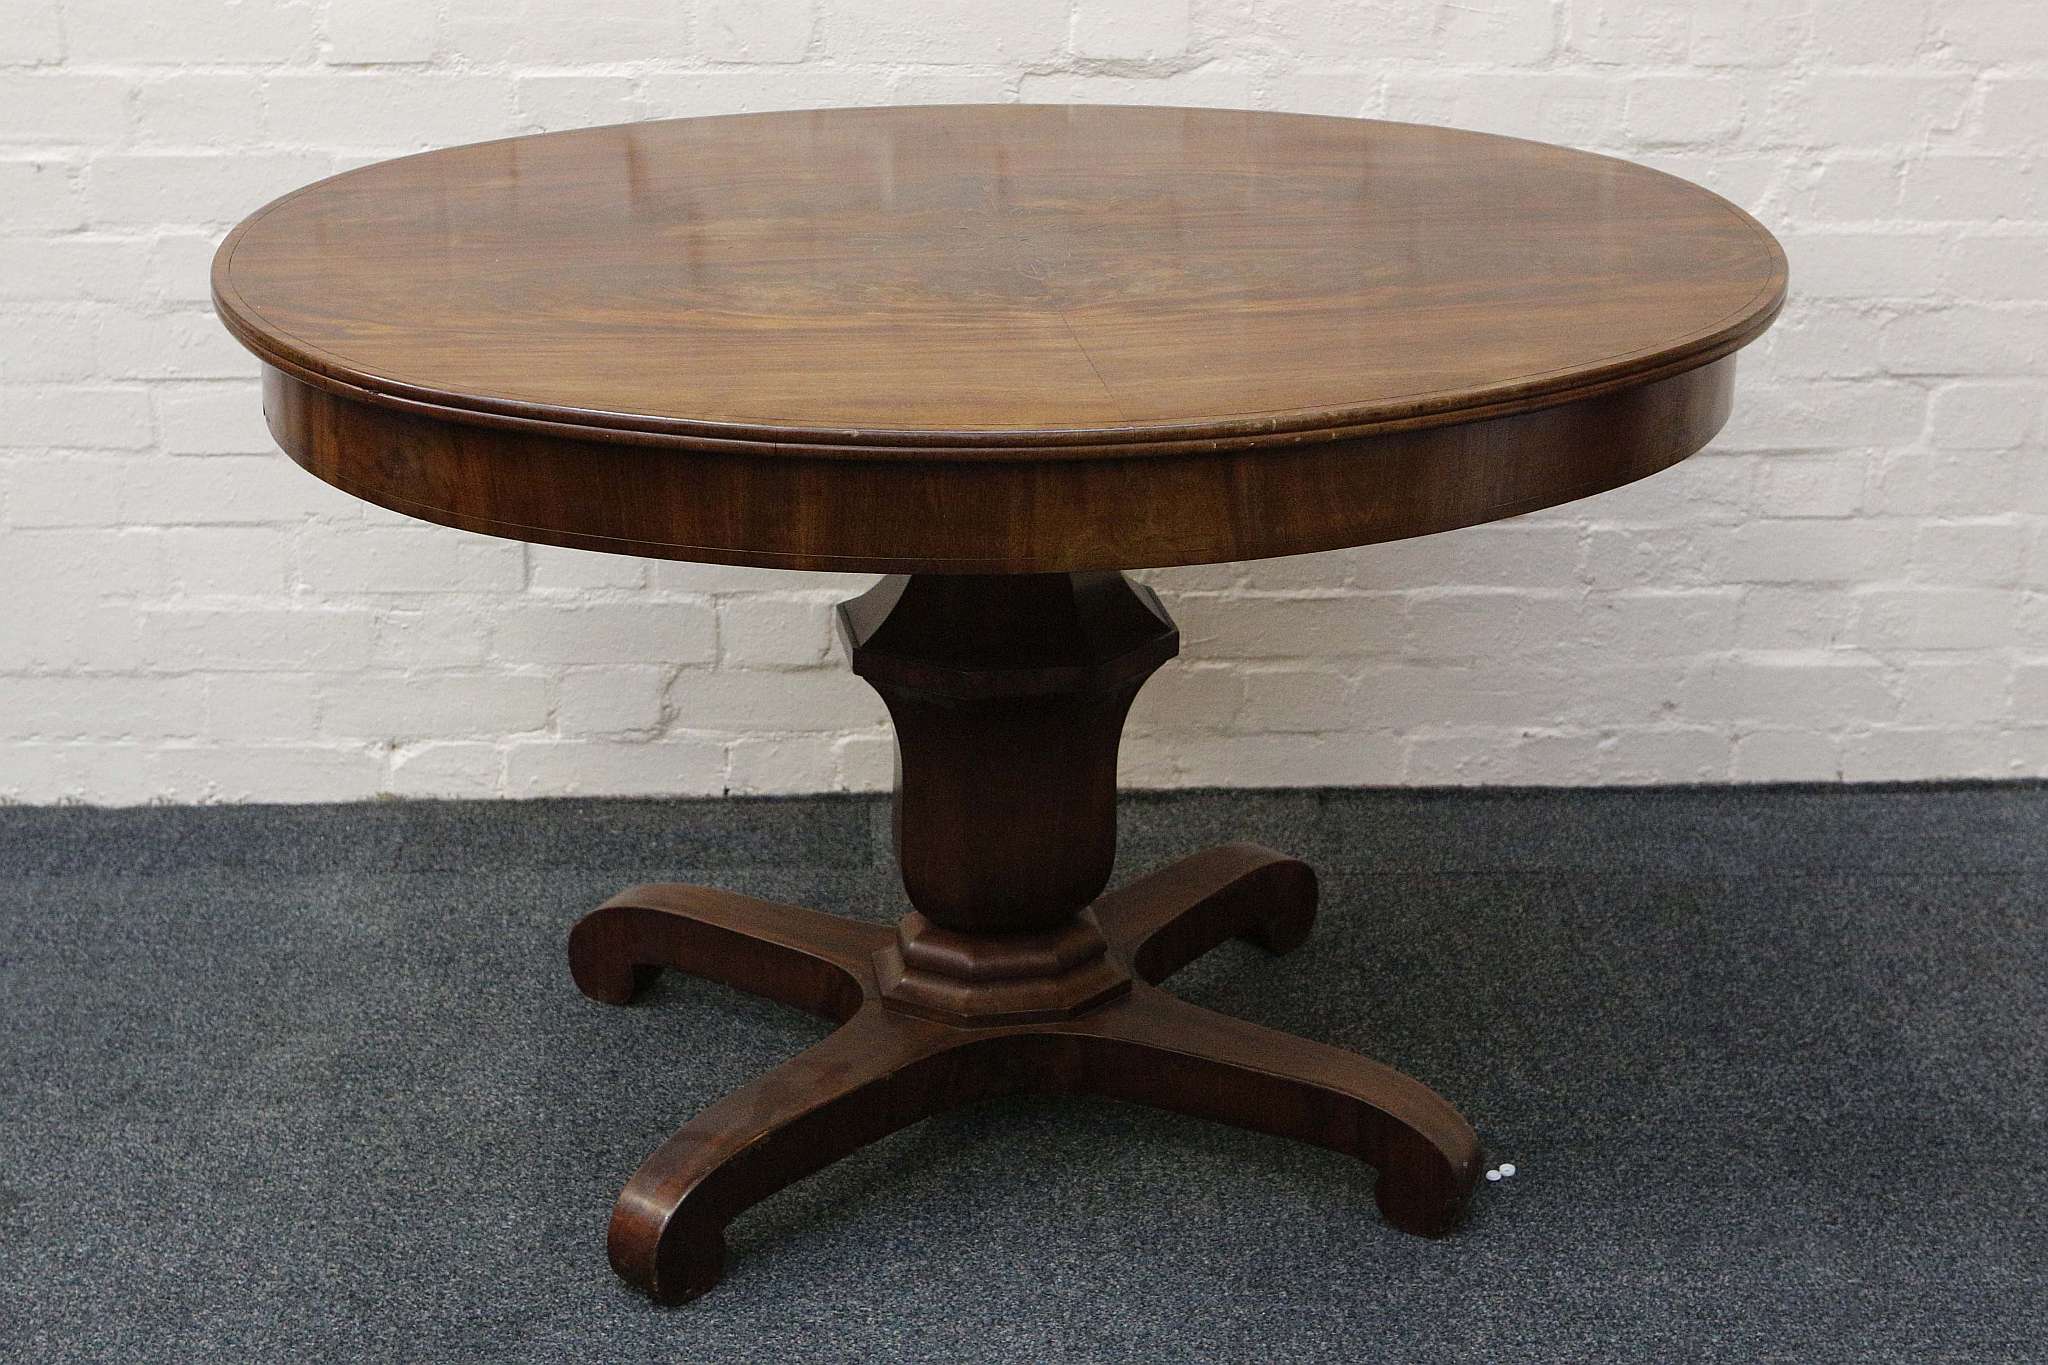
(784,508)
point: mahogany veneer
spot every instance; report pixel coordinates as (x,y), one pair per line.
(1002,353)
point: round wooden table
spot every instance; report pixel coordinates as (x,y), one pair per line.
(1001,353)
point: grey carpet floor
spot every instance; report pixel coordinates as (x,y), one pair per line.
(311,1083)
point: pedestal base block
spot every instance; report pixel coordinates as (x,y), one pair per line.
(980,979)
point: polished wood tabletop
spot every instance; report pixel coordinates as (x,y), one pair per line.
(1013,274)
(959,288)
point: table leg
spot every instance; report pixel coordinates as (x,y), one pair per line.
(1015,972)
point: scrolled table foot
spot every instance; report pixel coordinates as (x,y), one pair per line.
(1424,1188)
(875,1074)
(800,957)
(1166,919)
(1154,1049)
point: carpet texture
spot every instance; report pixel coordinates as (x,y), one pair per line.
(311,1083)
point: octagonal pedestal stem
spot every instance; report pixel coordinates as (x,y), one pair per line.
(1008,696)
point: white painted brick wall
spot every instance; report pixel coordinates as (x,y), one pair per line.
(1852,583)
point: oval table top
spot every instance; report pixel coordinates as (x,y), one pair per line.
(995,338)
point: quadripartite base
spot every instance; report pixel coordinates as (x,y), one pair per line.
(893,1061)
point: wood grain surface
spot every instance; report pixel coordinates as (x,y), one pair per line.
(996,276)
(994,339)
